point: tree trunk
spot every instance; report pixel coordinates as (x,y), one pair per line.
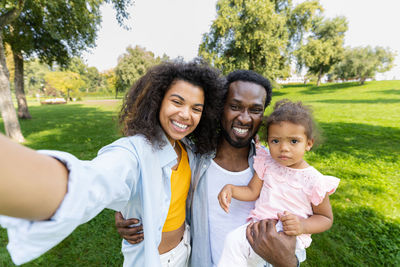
(319,76)
(8,113)
(23,112)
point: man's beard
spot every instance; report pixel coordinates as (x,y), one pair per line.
(237,144)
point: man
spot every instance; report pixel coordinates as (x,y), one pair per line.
(247,96)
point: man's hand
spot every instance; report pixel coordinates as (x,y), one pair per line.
(132,234)
(225,197)
(276,248)
(292,225)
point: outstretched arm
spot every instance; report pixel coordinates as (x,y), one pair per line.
(32,185)
(243,193)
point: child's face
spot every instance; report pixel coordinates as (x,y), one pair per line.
(287,144)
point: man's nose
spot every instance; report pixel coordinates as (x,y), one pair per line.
(244,117)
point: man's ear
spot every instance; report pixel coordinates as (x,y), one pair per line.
(310,143)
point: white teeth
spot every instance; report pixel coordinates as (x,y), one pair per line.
(240,130)
(182,126)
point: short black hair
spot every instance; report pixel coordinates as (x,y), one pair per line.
(250,76)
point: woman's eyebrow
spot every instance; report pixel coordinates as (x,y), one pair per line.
(178,96)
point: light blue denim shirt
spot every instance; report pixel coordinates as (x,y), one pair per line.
(128,175)
(200,233)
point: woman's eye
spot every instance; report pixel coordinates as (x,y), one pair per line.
(234,107)
(198,109)
(176,102)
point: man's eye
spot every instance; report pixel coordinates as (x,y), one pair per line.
(256,111)
(294,141)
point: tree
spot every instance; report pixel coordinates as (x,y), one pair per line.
(132,65)
(256,35)
(324,46)
(9,10)
(66,82)
(43,28)
(361,63)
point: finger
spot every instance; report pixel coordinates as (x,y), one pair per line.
(129,231)
(135,237)
(270,226)
(121,222)
(256,228)
(249,231)
(136,241)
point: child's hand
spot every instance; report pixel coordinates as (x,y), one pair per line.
(291,223)
(224,197)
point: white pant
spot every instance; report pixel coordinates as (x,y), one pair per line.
(238,252)
(178,256)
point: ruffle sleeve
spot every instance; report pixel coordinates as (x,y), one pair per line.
(326,184)
(259,161)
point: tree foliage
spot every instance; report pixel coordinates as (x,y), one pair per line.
(324,47)
(66,82)
(256,35)
(132,65)
(361,63)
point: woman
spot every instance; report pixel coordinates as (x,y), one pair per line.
(145,175)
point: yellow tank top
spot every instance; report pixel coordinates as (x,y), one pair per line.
(180,183)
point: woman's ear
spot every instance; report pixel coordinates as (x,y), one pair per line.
(310,143)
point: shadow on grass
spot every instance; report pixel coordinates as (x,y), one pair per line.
(359,237)
(388,92)
(329,88)
(365,142)
(360,101)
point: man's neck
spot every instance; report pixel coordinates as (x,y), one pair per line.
(231,158)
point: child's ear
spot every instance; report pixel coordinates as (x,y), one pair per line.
(310,143)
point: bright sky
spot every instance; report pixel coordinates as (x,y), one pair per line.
(175,27)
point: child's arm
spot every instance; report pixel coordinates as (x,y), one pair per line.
(244,193)
(32,185)
(319,222)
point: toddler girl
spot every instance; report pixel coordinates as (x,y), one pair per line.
(285,186)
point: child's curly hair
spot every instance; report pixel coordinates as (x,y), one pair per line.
(296,113)
(140,110)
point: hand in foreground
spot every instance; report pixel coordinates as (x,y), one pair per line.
(225,197)
(132,234)
(291,223)
(276,248)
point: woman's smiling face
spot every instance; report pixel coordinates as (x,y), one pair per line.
(181,109)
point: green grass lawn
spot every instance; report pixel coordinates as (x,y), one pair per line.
(361,130)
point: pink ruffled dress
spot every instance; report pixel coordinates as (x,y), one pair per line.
(288,189)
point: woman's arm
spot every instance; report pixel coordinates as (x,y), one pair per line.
(319,222)
(243,193)
(32,185)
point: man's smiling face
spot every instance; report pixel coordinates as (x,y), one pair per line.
(243,112)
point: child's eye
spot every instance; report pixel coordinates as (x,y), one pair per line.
(294,141)
(274,141)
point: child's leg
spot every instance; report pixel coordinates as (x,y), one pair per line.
(237,250)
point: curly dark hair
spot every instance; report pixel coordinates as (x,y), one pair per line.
(251,76)
(294,112)
(140,110)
